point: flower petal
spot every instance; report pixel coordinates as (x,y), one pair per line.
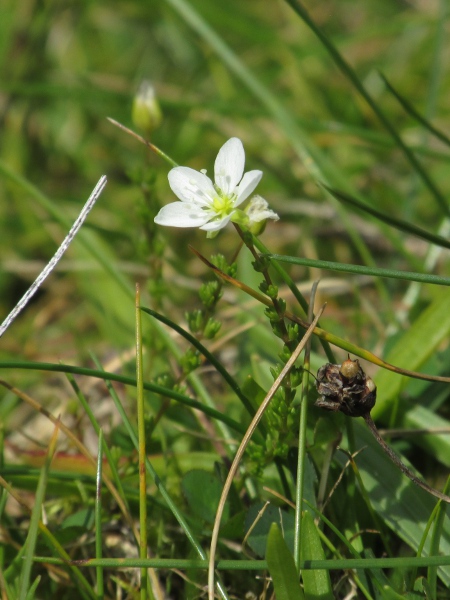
(229,165)
(191,186)
(258,210)
(216,225)
(182,214)
(247,185)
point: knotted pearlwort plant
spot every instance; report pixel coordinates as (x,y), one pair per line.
(210,206)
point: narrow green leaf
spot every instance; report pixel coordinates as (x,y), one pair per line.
(202,492)
(389,219)
(206,353)
(403,506)
(411,351)
(409,108)
(98,516)
(33,587)
(142,451)
(436,537)
(282,567)
(363,270)
(351,75)
(157,389)
(260,518)
(317,583)
(82,519)
(436,444)
(390,594)
(33,530)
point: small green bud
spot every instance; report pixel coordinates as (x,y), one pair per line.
(272,291)
(211,328)
(292,330)
(190,361)
(180,388)
(271,314)
(219,261)
(285,354)
(277,329)
(274,372)
(296,377)
(146,112)
(282,305)
(281,450)
(232,269)
(164,380)
(263,286)
(195,320)
(261,264)
(210,293)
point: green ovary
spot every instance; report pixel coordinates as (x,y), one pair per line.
(223,205)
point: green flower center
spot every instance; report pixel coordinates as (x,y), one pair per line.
(223,205)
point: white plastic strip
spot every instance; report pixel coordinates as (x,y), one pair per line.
(56,258)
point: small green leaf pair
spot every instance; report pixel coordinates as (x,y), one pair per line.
(284,573)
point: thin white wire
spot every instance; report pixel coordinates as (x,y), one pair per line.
(56,258)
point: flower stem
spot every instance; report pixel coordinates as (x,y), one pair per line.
(398,463)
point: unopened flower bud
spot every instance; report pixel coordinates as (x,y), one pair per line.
(146,112)
(258,213)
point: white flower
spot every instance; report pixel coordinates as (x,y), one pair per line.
(203,203)
(258,210)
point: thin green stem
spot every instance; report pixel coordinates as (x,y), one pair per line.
(98,517)
(362,270)
(398,463)
(107,376)
(149,145)
(390,220)
(301,455)
(207,354)
(436,537)
(243,445)
(35,519)
(141,446)
(332,564)
(107,452)
(303,304)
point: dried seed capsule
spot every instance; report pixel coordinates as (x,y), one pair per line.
(346,388)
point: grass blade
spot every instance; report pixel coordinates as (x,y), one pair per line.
(409,108)
(392,221)
(317,583)
(362,270)
(343,65)
(35,518)
(436,536)
(282,567)
(141,447)
(98,516)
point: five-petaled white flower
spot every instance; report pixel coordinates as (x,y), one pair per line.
(203,203)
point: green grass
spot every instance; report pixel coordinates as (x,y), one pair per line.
(344,107)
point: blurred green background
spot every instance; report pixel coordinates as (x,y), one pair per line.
(252,70)
(257,71)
